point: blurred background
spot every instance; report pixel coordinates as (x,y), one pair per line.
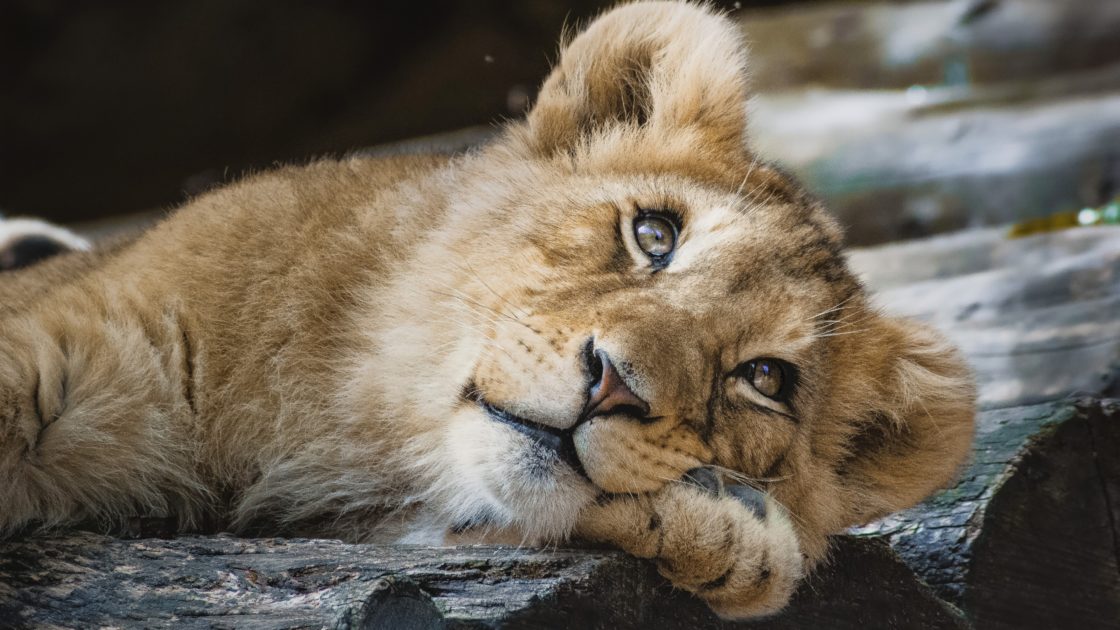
(908,117)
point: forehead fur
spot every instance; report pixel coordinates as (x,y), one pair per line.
(656,93)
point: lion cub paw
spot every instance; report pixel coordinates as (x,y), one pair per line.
(730,545)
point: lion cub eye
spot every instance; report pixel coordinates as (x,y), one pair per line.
(656,235)
(768,376)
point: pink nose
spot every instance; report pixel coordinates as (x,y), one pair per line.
(609,392)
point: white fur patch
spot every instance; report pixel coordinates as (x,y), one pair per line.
(12,230)
(705,236)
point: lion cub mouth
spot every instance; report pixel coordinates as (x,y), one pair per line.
(545,438)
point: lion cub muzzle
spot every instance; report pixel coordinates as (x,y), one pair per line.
(609,393)
(618,399)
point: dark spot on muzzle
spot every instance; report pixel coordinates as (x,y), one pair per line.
(704,478)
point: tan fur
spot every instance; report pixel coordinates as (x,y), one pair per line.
(295,353)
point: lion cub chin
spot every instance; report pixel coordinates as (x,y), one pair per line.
(613,323)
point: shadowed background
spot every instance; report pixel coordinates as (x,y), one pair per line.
(909,117)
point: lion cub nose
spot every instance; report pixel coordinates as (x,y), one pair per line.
(609,392)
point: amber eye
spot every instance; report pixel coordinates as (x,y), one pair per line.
(656,235)
(768,377)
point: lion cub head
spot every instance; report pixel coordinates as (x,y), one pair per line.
(621,291)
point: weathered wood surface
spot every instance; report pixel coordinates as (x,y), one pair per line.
(905,164)
(1039,318)
(891,44)
(918,118)
(1028,538)
(88,580)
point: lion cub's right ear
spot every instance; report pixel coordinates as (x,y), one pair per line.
(673,70)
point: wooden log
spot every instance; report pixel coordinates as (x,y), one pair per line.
(891,44)
(1037,317)
(897,171)
(918,118)
(1029,537)
(88,580)
(1011,548)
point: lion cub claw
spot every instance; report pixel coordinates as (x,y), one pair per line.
(730,545)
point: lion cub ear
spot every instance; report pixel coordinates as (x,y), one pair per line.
(666,68)
(910,402)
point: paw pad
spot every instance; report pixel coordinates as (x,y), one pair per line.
(704,478)
(751,498)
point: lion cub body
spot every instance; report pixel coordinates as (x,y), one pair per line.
(407,348)
(286,257)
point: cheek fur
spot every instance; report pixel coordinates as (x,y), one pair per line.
(532,368)
(752,442)
(499,476)
(470,444)
(621,456)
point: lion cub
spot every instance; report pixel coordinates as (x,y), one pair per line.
(612,323)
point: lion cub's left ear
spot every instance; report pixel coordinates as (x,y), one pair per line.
(672,69)
(906,399)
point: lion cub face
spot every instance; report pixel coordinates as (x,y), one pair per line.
(631,294)
(664,325)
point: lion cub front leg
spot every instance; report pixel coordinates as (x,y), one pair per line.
(93,416)
(731,546)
